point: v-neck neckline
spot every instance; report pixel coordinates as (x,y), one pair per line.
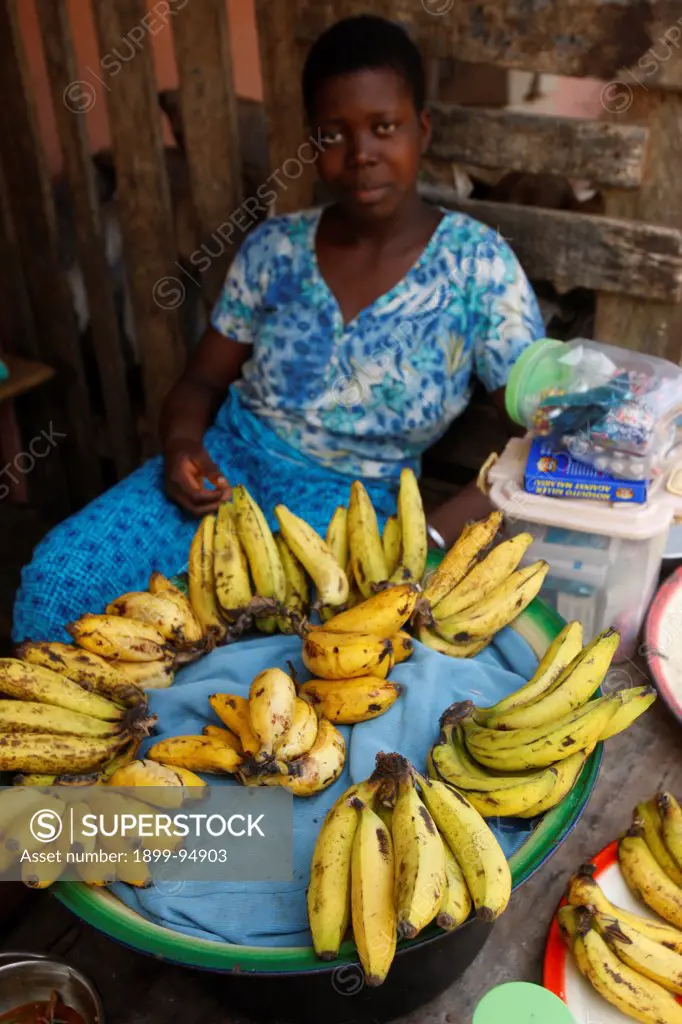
(385,297)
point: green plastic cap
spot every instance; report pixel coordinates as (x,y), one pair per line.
(519,1002)
(531,374)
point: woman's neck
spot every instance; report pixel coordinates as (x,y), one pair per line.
(409,216)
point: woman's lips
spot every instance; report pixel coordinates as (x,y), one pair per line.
(369,195)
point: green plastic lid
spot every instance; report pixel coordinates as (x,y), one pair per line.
(519,1002)
(531,374)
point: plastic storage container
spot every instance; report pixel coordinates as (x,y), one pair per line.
(615,409)
(604,559)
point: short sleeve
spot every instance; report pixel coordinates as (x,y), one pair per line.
(509,317)
(236,309)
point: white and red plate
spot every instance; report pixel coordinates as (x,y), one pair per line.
(562,977)
(663,638)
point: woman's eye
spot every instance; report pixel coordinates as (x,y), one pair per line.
(386,128)
(330,138)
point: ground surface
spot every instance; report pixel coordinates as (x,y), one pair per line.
(139,990)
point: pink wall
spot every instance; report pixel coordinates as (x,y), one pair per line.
(244,50)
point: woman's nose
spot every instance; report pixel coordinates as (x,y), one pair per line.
(362,149)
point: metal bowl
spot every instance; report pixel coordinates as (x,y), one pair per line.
(34,979)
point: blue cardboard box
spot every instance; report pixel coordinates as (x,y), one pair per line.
(558,475)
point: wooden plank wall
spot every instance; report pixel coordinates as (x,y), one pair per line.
(38,315)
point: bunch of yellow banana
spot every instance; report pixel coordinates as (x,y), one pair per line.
(650,857)
(635,963)
(472,596)
(53,725)
(366,640)
(394,854)
(523,756)
(284,741)
(139,640)
(397,556)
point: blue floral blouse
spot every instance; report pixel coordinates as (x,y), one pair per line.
(368,397)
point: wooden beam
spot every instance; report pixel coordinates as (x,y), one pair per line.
(90,242)
(210,129)
(35,223)
(606,154)
(638,41)
(281,59)
(576,250)
(623,320)
(143,198)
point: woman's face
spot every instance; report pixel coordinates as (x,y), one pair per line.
(373,140)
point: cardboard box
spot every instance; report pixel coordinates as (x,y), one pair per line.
(558,475)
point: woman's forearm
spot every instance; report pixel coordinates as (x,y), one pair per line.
(188,412)
(450,518)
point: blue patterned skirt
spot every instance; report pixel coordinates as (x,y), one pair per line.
(114,543)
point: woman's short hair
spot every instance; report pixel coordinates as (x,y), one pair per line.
(360,43)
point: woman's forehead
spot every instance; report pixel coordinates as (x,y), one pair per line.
(361,92)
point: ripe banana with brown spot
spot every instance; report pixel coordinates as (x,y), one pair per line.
(25,681)
(383,614)
(329,891)
(412,520)
(627,990)
(372,908)
(581,679)
(671,825)
(403,646)
(455,905)
(366,551)
(159,584)
(485,577)
(198,753)
(315,556)
(647,819)
(148,675)
(476,849)
(17,716)
(347,655)
(233,711)
(45,752)
(226,735)
(461,557)
(559,655)
(159,784)
(390,542)
(90,671)
(297,598)
(648,958)
(633,703)
(118,639)
(420,878)
(647,879)
(544,745)
(272,702)
(584,891)
(258,542)
(201,581)
(348,701)
(320,767)
(470,649)
(496,611)
(160,612)
(230,565)
(301,735)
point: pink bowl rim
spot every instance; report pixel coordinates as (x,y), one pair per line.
(654,625)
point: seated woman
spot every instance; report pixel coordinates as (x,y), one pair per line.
(344,343)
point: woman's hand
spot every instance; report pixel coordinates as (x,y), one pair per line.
(187,465)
